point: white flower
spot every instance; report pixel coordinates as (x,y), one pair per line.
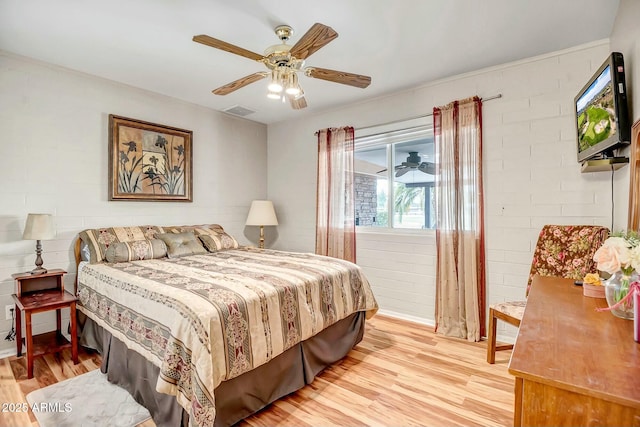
(635,258)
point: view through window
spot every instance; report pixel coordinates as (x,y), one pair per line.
(394,178)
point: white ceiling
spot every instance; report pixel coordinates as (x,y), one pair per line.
(399,43)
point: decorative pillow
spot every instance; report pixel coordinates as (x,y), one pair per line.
(99,239)
(182,244)
(136,250)
(196,229)
(213,236)
(218,242)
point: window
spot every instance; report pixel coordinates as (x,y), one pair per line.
(394,178)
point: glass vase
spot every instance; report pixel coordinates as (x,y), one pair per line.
(615,289)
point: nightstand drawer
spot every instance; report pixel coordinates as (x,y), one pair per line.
(27,282)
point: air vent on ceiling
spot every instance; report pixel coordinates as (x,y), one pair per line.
(238,110)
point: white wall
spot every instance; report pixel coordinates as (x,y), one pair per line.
(532,176)
(625,38)
(54,160)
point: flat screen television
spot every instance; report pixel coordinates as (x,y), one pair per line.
(602,114)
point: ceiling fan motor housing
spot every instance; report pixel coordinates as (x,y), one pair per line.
(284,32)
(413,157)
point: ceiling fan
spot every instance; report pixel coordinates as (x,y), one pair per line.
(414,163)
(284,62)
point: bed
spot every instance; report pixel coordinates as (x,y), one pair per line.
(202,331)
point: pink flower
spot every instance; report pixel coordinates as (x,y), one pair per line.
(612,255)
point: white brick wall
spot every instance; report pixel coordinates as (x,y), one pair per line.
(54,160)
(532,177)
(401,270)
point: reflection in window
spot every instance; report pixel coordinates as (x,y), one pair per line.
(371,187)
(394,179)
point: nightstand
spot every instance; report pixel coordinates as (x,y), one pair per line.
(40,293)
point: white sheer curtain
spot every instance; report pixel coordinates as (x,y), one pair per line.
(460,272)
(335,225)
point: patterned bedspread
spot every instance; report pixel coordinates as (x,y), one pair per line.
(208,318)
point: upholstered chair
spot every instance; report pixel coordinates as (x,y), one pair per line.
(561,251)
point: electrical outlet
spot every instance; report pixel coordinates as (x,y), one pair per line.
(8,311)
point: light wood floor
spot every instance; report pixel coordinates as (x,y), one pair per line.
(400,374)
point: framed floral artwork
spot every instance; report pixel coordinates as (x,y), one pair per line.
(149,162)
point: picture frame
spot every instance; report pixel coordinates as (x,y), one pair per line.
(149,161)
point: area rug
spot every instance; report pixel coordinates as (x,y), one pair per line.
(86,400)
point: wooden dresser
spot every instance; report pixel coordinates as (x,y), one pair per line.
(574,366)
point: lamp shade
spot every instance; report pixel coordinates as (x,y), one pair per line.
(39,227)
(262,213)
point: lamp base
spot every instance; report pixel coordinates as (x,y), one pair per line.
(261,242)
(38,270)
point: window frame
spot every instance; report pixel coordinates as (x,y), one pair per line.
(395,132)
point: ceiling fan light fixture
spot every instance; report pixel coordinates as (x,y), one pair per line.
(293,90)
(273,95)
(292,84)
(300,94)
(275,85)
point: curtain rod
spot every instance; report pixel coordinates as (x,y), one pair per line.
(489,98)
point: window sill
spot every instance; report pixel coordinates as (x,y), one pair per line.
(396,231)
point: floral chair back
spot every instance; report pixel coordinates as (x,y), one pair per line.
(567,251)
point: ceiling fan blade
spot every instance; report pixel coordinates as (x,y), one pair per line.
(427,167)
(298,104)
(228,47)
(401,172)
(345,78)
(383,170)
(318,36)
(237,84)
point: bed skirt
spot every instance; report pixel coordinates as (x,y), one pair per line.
(237,398)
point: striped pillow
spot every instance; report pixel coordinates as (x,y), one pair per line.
(98,240)
(136,250)
(218,241)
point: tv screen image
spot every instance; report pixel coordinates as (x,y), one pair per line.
(596,113)
(602,118)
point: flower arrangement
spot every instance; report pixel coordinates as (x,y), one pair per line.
(619,256)
(592,279)
(620,252)
(592,286)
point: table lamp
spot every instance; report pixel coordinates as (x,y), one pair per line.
(262,213)
(39,227)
